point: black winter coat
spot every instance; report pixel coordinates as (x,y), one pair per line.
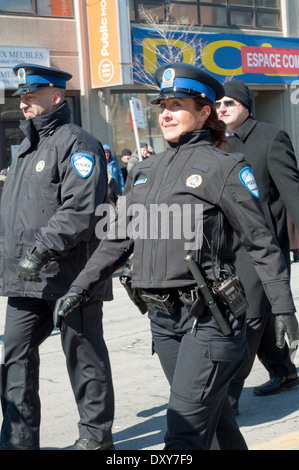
(270,153)
(49,202)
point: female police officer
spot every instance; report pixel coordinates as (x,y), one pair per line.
(200,343)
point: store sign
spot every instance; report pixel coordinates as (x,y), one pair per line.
(107,41)
(265,60)
(14,55)
(61,8)
(138,113)
(254,59)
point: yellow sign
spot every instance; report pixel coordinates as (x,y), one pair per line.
(207,57)
(255,59)
(104,44)
(150,46)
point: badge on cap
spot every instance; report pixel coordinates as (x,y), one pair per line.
(193,181)
(83,163)
(247,178)
(21,76)
(168,78)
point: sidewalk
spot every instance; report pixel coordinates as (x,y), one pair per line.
(141,390)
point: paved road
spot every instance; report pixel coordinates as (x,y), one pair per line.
(141,391)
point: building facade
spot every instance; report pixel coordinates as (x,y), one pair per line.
(113,46)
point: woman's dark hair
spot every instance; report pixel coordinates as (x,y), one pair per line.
(215,125)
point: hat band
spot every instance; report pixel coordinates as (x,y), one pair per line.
(45,79)
(189,85)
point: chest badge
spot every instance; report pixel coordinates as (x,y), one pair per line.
(40,166)
(193,181)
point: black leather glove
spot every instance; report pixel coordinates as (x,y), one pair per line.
(31,264)
(72,299)
(287,324)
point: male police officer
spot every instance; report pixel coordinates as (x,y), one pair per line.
(55,182)
(271,156)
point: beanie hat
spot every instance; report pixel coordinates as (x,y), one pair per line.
(237,90)
(126,152)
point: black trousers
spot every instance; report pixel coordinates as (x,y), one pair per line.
(199,366)
(28,323)
(261,340)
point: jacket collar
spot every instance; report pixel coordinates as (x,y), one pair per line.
(202,136)
(245,128)
(46,123)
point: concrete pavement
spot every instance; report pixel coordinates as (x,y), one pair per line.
(141,391)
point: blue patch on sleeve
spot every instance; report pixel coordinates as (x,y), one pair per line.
(83,163)
(142,181)
(247,178)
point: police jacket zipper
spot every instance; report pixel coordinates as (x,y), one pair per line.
(154,245)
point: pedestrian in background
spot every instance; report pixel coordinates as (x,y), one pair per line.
(125,157)
(200,350)
(150,151)
(56,180)
(270,154)
(114,168)
(135,157)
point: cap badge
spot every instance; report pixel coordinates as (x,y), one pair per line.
(22,76)
(193,181)
(168,78)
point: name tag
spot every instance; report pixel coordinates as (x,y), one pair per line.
(141,181)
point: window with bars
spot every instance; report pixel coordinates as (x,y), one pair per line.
(254,14)
(58,8)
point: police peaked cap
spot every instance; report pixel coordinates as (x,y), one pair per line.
(34,77)
(179,80)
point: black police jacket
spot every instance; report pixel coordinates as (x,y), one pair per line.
(197,186)
(49,202)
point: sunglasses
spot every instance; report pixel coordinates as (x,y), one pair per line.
(226,103)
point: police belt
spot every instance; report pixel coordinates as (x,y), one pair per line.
(168,301)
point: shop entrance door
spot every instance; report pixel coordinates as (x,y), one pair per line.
(11,137)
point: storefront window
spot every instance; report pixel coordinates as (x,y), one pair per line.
(269,20)
(242,18)
(212,16)
(258,14)
(62,8)
(11,109)
(10,134)
(123,132)
(22,6)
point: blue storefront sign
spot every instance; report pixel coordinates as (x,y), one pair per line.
(254,59)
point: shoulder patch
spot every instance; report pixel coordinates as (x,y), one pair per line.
(247,178)
(83,163)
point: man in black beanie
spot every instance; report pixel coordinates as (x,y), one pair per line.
(236,106)
(124,159)
(270,153)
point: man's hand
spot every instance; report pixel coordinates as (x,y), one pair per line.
(30,265)
(286,324)
(71,300)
